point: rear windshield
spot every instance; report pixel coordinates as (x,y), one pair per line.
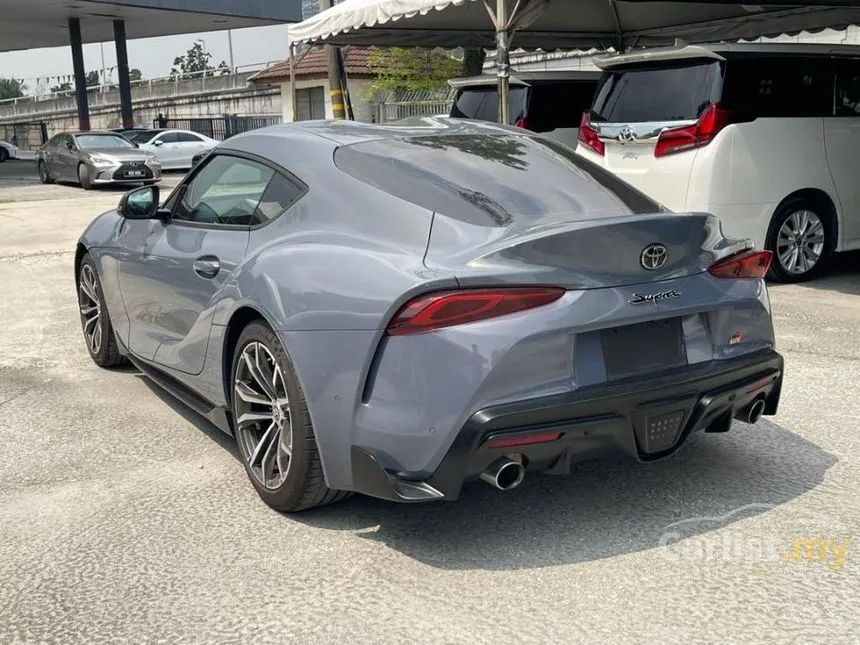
(664,91)
(492,180)
(482,103)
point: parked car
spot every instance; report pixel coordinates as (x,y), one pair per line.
(175,148)
(94,158)
(764,136)
(549,103)
(129,132)
(7,151)
(396,310)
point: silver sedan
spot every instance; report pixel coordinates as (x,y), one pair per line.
(92,158)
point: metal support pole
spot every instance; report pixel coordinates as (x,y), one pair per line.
(503,60)
(80,75)
(334,84)
(230,50)
(294,107)
(123,74)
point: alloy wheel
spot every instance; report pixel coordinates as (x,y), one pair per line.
(800,242)
(91,309)
(262,415)
(43,172)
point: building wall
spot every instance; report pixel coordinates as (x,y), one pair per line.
(210,97)
(359,92)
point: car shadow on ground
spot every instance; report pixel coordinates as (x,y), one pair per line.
(602,509)
(843,274)
(214,433)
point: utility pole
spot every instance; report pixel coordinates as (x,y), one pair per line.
(334,79)
(104,69)
(230,49)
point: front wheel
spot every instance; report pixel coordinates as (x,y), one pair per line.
(84,177)
(801,241)
(95,322)
(44,175)
(273,426)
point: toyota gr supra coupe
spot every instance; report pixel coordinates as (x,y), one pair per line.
(398,310)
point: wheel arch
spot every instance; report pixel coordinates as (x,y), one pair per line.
(817,196)
(240,319)
(80,252)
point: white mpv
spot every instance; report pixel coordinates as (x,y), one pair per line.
(766,137)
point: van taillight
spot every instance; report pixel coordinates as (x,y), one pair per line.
(701,133)
(588,136)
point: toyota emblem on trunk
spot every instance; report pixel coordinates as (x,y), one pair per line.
(653,257)
(626,135)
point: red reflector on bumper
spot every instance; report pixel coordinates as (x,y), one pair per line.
(508,442)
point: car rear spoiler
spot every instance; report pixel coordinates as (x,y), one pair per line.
(654,55)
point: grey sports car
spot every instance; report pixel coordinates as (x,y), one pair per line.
(92,158)
(399,310)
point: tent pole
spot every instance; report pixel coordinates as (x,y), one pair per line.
(293,105)
(503,60)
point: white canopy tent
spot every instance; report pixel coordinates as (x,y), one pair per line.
(562,24)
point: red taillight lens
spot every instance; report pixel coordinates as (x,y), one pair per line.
(438,310)
(746,264)
(713,119)
(523,123)
(588,136)
(527,440)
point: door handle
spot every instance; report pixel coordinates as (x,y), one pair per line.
(207,266)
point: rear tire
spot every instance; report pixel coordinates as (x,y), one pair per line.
(95,321)
(4,155)
(273,426)
(44,174)
(84,177)
(801,237)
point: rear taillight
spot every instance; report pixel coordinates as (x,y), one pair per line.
(746,264)
(524,123)
(438,310)
(588,136)
(701,133)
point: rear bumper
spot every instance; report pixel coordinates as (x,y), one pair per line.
(643,419)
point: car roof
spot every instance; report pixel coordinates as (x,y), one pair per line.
(79,132)
(349,132)
(716,51)
(526,78)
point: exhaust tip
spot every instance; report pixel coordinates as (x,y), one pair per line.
(756,409)
(504,474)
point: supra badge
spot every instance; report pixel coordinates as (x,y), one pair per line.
(640,298)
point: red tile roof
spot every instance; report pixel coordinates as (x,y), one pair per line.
(315,63)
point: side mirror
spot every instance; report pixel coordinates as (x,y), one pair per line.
(158,143)
(140,203)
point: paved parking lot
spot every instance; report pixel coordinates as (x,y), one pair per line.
(125,517)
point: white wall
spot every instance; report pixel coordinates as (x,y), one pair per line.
(359,92)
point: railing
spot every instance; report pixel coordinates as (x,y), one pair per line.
(387,106)
(174,80)
(219,127)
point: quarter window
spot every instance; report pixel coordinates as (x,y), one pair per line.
(187,137)
(281,193)
(227,191)
(779,86)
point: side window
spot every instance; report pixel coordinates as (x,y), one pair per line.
(847,87)
(56,140)
(779,86)
(226,191)
(280,194)
(187,137)
(559,105)
(167,137)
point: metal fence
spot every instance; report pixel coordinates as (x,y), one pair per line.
(218,127)
(390,105)
(26,136)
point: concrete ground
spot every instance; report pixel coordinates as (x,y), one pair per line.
(124,517)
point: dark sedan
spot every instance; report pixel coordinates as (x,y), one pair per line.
(92,158)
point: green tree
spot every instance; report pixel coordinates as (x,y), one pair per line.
(11,88)
(62,87)
(194,61)
(135,75)
(92,79)
(412,69)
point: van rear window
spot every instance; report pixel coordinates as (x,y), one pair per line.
(482,103)
(664,91)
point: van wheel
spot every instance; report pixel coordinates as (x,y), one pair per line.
(801,239)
